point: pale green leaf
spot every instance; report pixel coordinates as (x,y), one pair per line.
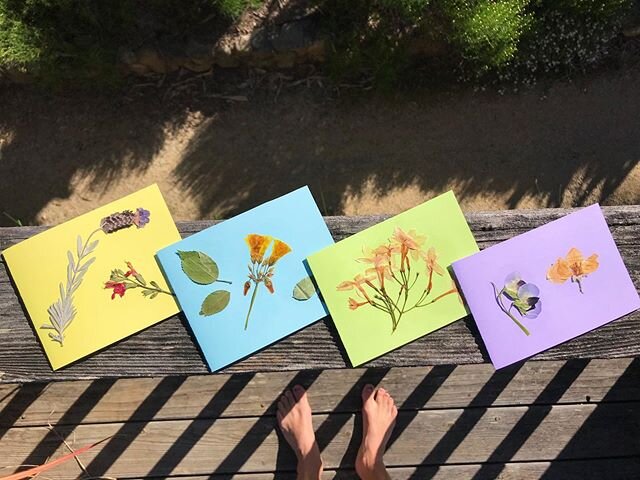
(215,302)
(304,289)
(199,267)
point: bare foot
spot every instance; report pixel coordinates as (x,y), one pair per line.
(378,419)
(294,420)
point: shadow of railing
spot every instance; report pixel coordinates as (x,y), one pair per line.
(619,410)
(532,419)
(19,404)
(604,417)
(59,432)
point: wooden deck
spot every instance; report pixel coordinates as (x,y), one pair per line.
(572,412)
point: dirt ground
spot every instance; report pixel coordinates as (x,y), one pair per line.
(565,144)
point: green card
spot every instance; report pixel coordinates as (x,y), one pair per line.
(389,284)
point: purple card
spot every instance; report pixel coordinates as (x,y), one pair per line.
(546,286)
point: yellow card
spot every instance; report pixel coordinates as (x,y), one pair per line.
(94,280)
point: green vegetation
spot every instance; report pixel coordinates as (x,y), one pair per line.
(512,40)
(382,40)
(61,40)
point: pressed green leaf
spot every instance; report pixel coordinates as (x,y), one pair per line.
(199,267)
(140,278)
(215,302)
(304,289)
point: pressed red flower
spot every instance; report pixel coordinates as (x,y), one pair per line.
(131,271)
(118,288)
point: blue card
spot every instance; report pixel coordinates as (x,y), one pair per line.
(242,284)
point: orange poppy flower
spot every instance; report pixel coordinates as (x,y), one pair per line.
(258,245)
(280,249)
(574,267)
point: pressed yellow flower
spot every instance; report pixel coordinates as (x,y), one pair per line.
(280,249)
(258,245)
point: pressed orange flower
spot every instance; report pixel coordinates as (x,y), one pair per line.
(380,261)
(574,267)
(431,259)
(280,249)
(353,303)
(408,242)
(258,245)
(356,283)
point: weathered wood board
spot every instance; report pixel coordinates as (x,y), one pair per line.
(167,349)
(546,419)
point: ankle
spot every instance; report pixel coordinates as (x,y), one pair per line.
(309,464)
(370,465)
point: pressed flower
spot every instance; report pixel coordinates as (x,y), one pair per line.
(431,260)
(261,269)
(258,245)
(524,298)
(125,219)
(279,250)
(390,263)
(409,241)
(528,301)
(141,217)
(380,262)
(574,267)
(354,304)
(269,284)
(131,271)
(118,288)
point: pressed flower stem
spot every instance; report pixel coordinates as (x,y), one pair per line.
(253,299)
(506,312)
(147,287)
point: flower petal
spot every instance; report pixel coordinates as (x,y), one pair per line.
(535,311)
(528,290)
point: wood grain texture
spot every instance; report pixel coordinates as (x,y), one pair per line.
(167,348)
(598,469)
(253,395)
(429,438)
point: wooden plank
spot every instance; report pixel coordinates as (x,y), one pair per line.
(167,348)
(433,437)
(611,469)
(237,395)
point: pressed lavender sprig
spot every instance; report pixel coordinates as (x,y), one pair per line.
(62,311)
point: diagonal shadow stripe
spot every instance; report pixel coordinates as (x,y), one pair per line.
(125,436)
(199,426)
(24,397)
(260,430)
(334,423)
(74,415)
(532,419)
(465,423)
(625,428)
(419,397)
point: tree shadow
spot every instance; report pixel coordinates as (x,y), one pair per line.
(570,149)
(366,153)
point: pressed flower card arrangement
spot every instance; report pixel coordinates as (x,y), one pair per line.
(94,280)
(243,283)
(546,286)
(389,285)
